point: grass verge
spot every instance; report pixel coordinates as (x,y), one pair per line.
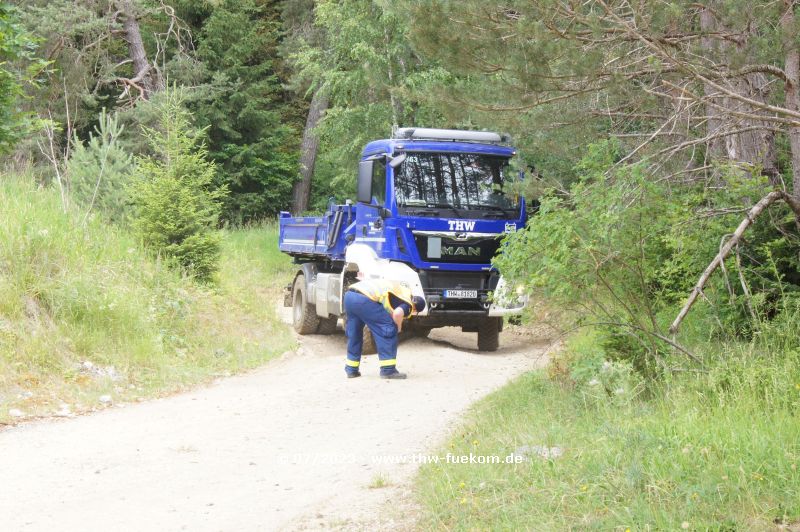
(687,457)
(85,313)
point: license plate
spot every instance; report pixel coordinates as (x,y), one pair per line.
(461,294)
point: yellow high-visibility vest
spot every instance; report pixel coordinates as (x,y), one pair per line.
(378,290)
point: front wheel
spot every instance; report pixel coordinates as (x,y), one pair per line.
(420,332)
(489,334)
(304,315)
(369,347)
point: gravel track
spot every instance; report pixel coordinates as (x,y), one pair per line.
(291,446)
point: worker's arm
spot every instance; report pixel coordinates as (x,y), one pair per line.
(398,316)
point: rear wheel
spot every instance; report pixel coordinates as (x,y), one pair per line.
(327,325)
(489,334)
(304,315)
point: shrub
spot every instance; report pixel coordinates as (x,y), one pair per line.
(599,252)
(177,205)
(622,250)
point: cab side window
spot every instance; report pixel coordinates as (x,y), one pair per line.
(379,181)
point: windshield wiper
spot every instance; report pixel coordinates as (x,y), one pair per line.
(492,207)
(453,208)
(500,211)
(422,212)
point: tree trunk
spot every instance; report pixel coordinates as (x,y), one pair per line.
(715,122)
(145,77)
(301,191)
(792,69)
(395,102)
(756,147)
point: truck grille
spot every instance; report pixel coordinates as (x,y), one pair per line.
(474,250)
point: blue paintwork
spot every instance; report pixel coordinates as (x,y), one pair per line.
(394,146)
(308,235)
(363,219)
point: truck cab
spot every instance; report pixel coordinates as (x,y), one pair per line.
(432,208)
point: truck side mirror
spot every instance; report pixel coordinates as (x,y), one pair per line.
(364,189)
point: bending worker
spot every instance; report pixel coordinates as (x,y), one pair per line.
(381,306)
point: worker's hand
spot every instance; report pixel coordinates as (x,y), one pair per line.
(397,317)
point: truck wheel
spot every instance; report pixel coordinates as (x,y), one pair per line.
(420,332)
(368,347)
(304,315)
(327,325)
(489,334)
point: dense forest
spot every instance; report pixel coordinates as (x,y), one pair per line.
(682,113)
(661,140)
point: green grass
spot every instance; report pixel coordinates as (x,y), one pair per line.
(253,269)
(690,456)
(71,294)
(379,481)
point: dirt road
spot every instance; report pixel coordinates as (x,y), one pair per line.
(291,446)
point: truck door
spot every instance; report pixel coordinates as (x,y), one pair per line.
(369,223)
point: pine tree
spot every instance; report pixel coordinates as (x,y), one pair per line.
(239,98)
(177,204)
(98,171)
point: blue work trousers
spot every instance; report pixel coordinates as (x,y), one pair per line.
(361,311)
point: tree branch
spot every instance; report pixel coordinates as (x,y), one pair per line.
(689,69)
(757,209)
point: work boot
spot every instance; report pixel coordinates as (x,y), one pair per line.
(395,375)
(353,375)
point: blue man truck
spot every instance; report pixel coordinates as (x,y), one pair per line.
(432,207)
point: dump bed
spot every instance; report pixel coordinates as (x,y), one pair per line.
(317,237)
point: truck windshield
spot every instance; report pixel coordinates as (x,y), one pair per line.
(453,180)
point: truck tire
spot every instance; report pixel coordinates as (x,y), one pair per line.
(489,334)
(327,325)
(368,347)
(420,332)
(304,315)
